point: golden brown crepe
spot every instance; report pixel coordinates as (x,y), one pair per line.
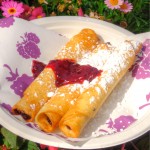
(50,114)
(85,41)
(64,97)
(36,95)
(72,106)
(90,101)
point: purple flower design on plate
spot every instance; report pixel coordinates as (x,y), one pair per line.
(141,68)
(19,83)
(28,48)
(146,104)
(32,125)
(6,22)
(6,106)
(121,123)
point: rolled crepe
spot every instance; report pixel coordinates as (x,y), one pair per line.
(36,95)
(51,113)
(65,96)
(90,101)
(85,41)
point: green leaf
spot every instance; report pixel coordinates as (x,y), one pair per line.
(11,140)
(1,139)
(5,142)
(29,145)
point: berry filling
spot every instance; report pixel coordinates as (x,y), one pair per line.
(67,71)
(37,68)
(24,115)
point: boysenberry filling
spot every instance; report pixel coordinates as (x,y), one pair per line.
(49,121)
(24,115)
(69,72)
(37,68)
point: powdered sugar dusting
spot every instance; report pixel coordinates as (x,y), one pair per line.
(32,106)
(72,102)
(92,99)
(112,60)
(96,59)
(112,69)
(98,90)
(50,94)
(42,102)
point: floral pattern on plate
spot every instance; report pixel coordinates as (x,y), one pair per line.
(6,22)
(112,125)
(28,48)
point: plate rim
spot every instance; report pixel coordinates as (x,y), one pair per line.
(80,18)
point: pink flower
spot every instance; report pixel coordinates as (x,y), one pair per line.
(80,12)
(37,13)
(43,147)
(27,12)
(11,8)
(113,4)
(126,7)
(52,148)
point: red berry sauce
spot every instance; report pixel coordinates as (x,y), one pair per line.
(69,72)
(37,68)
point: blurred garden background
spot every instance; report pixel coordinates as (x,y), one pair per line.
(130,14)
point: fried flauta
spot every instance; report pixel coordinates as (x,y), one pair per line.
(90,101)
(36,95)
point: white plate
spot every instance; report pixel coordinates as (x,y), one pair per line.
(69,26)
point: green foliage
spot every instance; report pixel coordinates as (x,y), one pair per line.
(11,140)
(137,21)
(14,142)
(29,145)
(139,18)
